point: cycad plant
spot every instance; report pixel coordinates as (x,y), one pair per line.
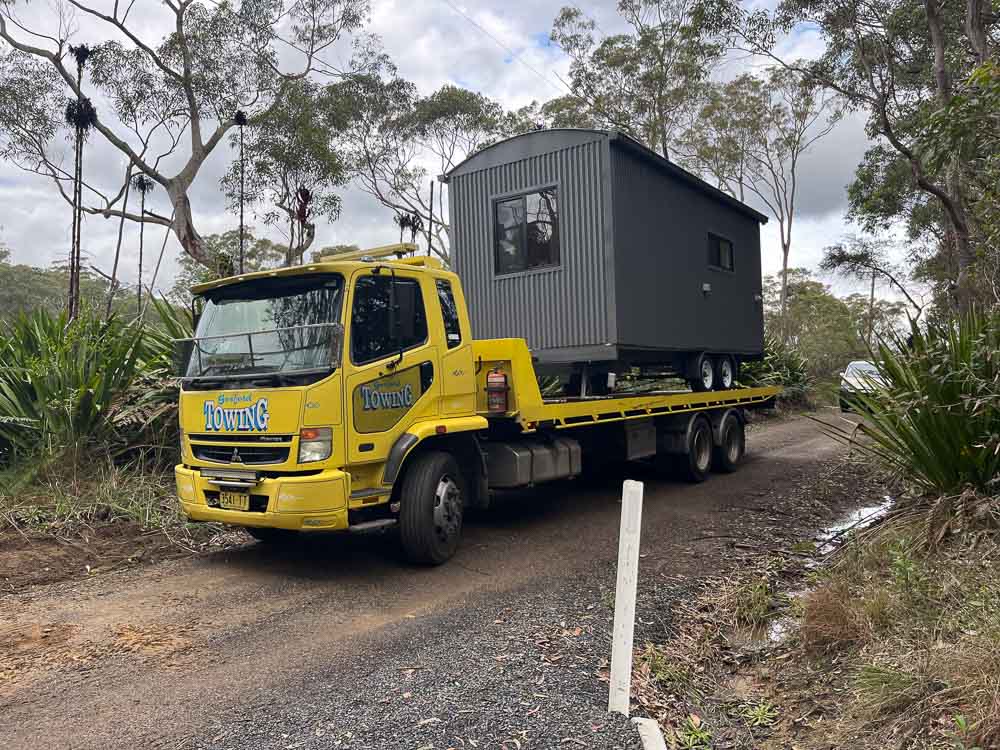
(936,419)
(93,383)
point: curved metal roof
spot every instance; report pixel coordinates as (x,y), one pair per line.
(536,142)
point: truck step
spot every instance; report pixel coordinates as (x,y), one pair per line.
(367,527)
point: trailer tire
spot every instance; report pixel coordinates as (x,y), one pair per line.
(267,535)
(697,462)
(702,374)
(725,373)
(431,506)
(732,444)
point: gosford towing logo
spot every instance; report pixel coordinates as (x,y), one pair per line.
(246,415)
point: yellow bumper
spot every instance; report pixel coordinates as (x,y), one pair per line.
(310,503)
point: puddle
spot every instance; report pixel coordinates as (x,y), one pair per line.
(832,537)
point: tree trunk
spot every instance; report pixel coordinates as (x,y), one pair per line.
(871,312)
(113,284)
(142,238)
(785,247)
(183,223)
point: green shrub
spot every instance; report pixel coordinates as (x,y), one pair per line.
(782,365)
(70,386)
(937,420)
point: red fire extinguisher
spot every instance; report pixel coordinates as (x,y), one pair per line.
(496,391)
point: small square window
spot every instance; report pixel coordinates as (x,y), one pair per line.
(720,253)
(527,232)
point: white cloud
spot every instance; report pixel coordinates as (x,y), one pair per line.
(432,44)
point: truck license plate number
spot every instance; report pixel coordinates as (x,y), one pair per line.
(234,501)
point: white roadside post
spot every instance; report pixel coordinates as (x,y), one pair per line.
(628,570)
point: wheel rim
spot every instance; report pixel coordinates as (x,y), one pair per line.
(726,373)
(447,509)
(702,450)
(732,444)
(707,375)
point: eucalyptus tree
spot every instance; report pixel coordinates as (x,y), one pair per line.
(294,163)
(174,76)
(398,141)
(899,61)
(645,81)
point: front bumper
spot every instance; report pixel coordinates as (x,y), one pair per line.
(317,502)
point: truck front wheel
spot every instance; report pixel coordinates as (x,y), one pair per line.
(431,505)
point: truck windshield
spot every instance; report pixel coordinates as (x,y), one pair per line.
(276,325)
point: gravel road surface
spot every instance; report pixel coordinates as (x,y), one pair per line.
(337,644)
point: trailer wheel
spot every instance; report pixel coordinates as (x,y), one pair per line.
(733,443)
(430,514)
(702,373)
(725,373)
(698,460)
(268,535)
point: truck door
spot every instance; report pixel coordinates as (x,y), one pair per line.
(390,361)
(458,382)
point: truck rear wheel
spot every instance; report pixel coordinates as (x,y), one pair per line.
(697,462)
(431,505)
(732,444)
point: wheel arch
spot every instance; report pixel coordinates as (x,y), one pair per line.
(464,446)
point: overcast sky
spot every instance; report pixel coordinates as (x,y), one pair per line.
(499,49)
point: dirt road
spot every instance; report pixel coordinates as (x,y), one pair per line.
(256,647)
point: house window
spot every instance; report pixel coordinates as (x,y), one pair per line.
(527,232)
(720,252)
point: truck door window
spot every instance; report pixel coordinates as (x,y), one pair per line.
(449,311)
(373,320)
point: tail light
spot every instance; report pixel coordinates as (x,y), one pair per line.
(496,391)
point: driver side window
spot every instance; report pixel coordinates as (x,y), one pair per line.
(387,316)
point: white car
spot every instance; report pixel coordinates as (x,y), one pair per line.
(860,376)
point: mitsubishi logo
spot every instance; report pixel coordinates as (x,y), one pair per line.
(236,458)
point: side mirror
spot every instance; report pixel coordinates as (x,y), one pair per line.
(181,356)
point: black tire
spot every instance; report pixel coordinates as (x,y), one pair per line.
(267,535)
(431,506)
(702,374)
(729,455)
(697,462)
(725,373)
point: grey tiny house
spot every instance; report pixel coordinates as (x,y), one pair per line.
(600,252)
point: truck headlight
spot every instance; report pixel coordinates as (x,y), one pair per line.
(315,444)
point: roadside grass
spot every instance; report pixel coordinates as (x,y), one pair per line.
(65,500)
(920,633)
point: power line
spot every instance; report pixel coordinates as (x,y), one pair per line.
(508,50)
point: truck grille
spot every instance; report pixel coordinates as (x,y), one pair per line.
(250,455)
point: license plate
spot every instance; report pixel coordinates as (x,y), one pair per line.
(234,501)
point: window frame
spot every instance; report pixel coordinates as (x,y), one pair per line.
(387,275)
(714,237)
(445,285)
(495,231)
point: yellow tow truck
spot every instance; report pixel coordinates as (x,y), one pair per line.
(349,394)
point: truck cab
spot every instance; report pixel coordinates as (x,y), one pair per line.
(304,389)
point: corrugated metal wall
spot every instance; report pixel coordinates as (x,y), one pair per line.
(562,307)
